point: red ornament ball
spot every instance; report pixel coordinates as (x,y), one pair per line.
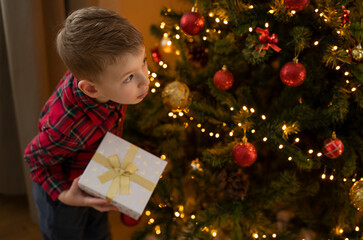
(296,5)
(192,23)
(223,79)
(293,74)
(244,154)
(333,148)
(129,221)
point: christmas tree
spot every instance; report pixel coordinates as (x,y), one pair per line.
(259,118)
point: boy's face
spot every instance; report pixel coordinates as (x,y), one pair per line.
(126,81)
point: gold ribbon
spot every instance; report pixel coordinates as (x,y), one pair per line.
(121,173)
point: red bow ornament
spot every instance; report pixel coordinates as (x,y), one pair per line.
(345,17)
(268,41)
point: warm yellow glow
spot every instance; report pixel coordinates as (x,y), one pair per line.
(147,213)
(266,25)
(353,180)
(157,230)
(231,109)
(325,19)
(177,36)
(165,35)
(274,235)
(239,124)
(252,110)
(323,176)
(207,30)
(199,125)
(211,14)
(217,135)
(264,236)
(225,21)
(161,63)
(250,6)
(331,177)
(255,235)
(157,84)
(165,65)
(162,25)
(204,38)
(154,75)
(319,154)
(311,151)
(250,29)
(316,43)
(177,214)
(264,139)
(290,158)
(346,73)
(192,217)
(284,127)
(217,20)
(191,118)
(281,146)
(202,130)
(231,133)
(337,67)
(214,233)
(219,32)
(338,32)
(353,89)
(153,90)
(357,229)
(175,116)
(151,221)
(271,11)
(344,179)
(347,81)
(211,134)
(253,131)
(170,114)
(181,114)
(321,14)
(163,156)
(297,140)
(263,117)
(316,10)
(244,108)
(177,27)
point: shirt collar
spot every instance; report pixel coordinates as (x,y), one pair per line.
(97,112)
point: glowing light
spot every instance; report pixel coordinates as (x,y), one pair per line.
(204,38)
(346,73)
(290,158)
(153,90)
(214,233)
(347,81)
(161,63)
(263,117)
(157,230)
(356,229)
(199,125)
(225,22)
(271,11)
(218,20)
(335,48)
(281,146)
(177,27)
(323,176)
(191,118)
(157,84)
(266,25)
(250,6)
(165,65)
(244,108)
(253,131)
(338,32)
(202,130)
(353,89)
(151,221)
(252,110)
(331,177)
(192,216)
(177,214)
(255,235)
(293,12)
(337,67)
(319,154)
(311,151)
(274,235)
(163,156)
(297,140)
(250,29)
(217,135)
(316,43)
(147,213)
(231,133)
(170,114)
(219,32)
(231,109)
(239,124)
(316,10)
(264,139)
(321,14)
(165,35)
(175,116)
(154,75)
(177,36)
(162,25)
(284,127)
(353,180)
(211,134)
(325,19)
(211,14)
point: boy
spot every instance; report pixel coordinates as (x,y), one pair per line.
(105,56)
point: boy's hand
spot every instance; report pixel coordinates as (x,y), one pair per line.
(75,197)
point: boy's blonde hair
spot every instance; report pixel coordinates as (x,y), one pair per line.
(93,38)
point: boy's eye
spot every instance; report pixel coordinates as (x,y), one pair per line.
(129,78)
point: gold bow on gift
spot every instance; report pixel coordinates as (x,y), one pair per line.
(121,173)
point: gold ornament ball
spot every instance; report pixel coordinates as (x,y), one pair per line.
(356,194)
(357,53)
(176,95)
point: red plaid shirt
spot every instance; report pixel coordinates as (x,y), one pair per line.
(71,126)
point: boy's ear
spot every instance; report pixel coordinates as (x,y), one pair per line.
(88,87)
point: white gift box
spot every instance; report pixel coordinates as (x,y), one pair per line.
(138,170)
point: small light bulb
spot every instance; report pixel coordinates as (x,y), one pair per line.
(338,32)
(170,114)
(316,10)
(353,89)
(192,216)
(214,233)
(231,133)
(293,12)
(231,109)
(151,220)
(335,48)
(202,130)
(319,154)
(204,38)
(181,114)
(154,75)
(218,20)
(217,135)
(316,43)
(165,65)
(165,35)
(153,90)
(321,14)
(175,116)
(250,6)
(199,125)
(264,139)
(266,25)
(177,214)
(255,235)
(347,81)
(281,146)
(163,157)
(346,73)
(337,67)
(225,22)
(323,176)
(157,84)
(177,36)
(297,140)
(147,213)
(271,11)
(325,19)
(331,177)
(244,108)
(219,32)
(274,235)
(250,29)
(263,117)
(290,158)
(252,110)
(264,236)
(344,179)
(161,63)
(353,180)
(239,124)
(357,229)
(253,131)
(211,14)
(162,25)
(177,27)
(211,134)
(311,151)
(284,127)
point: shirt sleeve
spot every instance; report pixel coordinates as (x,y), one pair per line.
(45,155)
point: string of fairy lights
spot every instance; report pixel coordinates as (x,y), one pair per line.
(188,119)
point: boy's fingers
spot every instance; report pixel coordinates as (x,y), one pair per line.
(95,201)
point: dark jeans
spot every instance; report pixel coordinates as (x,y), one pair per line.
(62,222)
